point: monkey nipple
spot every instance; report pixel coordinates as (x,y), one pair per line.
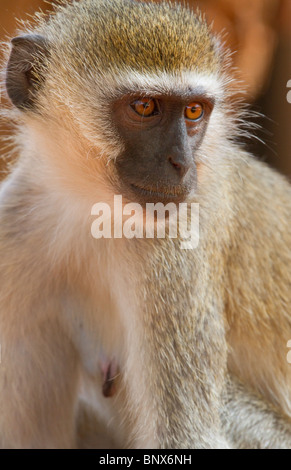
(110,372)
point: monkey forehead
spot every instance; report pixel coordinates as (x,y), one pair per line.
(182,84)
(118,34)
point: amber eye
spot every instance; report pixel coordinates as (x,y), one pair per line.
(145,107)
(194,111)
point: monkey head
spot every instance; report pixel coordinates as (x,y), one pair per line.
(137,89)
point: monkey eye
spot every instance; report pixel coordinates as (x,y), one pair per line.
(194,111)
(145,107)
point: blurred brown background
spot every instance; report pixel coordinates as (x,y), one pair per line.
(260,33)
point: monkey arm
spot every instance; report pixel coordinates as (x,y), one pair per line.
(258,306)
(39,368)
(34,411)
(249,422)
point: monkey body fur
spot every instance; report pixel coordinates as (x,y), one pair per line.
(177,321)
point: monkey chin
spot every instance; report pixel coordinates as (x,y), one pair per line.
(164,195)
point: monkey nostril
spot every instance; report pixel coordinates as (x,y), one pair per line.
(180,167)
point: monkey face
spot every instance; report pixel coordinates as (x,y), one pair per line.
(133,120)
(160,135)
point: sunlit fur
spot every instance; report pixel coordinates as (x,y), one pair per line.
(171,317)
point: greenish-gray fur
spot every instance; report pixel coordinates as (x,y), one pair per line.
(126,34)
(250,423)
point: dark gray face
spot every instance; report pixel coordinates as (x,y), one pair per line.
(160,137)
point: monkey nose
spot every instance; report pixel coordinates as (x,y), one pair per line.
(181,166)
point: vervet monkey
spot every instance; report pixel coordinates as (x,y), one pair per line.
(135,335)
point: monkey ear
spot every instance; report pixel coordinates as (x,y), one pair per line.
(23,75)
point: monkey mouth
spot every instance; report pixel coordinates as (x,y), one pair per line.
(175,194)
